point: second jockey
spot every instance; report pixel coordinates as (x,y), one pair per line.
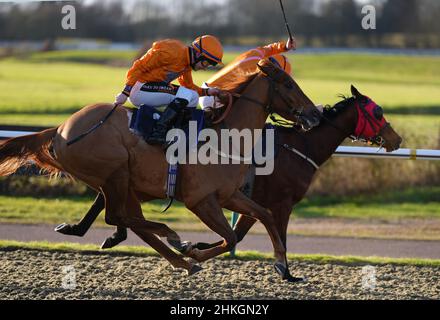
(246,63)
(149,79)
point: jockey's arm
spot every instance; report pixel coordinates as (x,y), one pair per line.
(153,59)
(273,49)
(186,81)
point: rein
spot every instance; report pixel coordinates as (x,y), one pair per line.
(267,107)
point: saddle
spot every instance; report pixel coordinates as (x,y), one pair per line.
(143,120)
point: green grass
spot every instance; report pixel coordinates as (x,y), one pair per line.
(240,255)
(72,209)
(29,119)
(346,67)
(55,88)
(368,68)
(90,56)
(55,82)
(423,202)
(411,203)
(46,88)
(96,56)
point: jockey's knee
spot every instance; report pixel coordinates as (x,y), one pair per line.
(206,101)
(189,95)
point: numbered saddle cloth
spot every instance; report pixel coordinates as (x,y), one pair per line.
(143,120)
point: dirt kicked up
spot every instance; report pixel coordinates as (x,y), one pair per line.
(38,274)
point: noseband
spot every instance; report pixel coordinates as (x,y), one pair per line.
(368,128)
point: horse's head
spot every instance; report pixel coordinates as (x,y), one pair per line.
(371,125)
(287,99)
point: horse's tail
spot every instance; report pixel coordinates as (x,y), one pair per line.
(17,152)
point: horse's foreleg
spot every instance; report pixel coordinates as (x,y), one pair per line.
(210,213)
(84,225)
(281,212)
(241,228)
(116,238)
(240,203)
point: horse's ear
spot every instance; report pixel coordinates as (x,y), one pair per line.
(269,69)
(355,92)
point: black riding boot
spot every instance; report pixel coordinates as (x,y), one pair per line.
(167,119)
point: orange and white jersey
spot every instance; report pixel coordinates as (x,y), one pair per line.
(245,63)
(166,61)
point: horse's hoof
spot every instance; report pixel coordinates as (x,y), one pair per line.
(175,243)
(194,269)
(283,271)
(202,246)
(280,269)
(183,247)
(186,247)
(108,244)
(61,228)
(292,279)
(66,229)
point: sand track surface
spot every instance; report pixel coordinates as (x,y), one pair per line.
(37,274)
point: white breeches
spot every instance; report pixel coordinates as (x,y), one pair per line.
(159,94)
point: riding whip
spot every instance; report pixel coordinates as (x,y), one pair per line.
(285,21)
(96,126)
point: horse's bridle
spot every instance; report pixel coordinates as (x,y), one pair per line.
(266,106)
(374,123)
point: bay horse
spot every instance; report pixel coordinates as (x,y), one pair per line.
(126,170)
(357,117)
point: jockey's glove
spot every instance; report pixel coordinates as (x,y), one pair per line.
(213,92)
(121,98)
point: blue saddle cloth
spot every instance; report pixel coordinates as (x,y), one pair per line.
(144,119)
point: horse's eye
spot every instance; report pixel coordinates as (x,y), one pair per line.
(378,113)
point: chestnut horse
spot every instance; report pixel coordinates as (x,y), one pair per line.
(126,170)
(284,188)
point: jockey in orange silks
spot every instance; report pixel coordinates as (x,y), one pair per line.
(149,79)
(246,63)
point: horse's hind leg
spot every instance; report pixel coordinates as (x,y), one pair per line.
(145,229)
(118,195)
(210,212)
(83,226)
(124,209)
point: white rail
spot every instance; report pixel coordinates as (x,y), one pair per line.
(376,153)
(348,152)
(13,134)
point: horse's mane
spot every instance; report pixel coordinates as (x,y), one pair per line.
(332,112)
(240,83)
